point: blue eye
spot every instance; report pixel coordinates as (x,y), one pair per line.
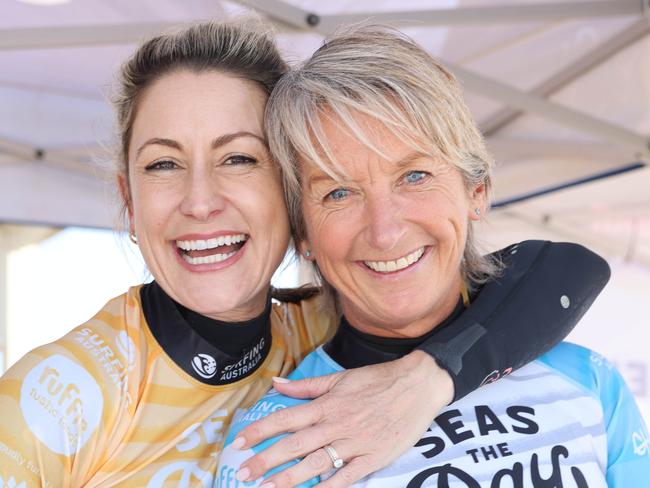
(338,194)
(164,164)
(238,159)
(415,176)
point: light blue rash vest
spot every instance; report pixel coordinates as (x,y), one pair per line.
(565,420)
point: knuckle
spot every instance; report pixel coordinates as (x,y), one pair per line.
(253,431)
(364,466)
(281,418)
(318,461)
(323,409)
(348,476)
(294,444)
(285,478)
(258,464)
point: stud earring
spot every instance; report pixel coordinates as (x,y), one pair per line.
(307,253)
(477,211)
(133,238)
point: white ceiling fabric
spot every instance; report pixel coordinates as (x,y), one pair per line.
(57,63)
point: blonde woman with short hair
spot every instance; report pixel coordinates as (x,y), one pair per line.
(385,174)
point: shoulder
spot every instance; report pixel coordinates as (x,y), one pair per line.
(591,371)
(67,394)
(96,359)
(580,364)
(627,436)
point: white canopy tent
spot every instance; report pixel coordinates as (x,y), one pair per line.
(560,88)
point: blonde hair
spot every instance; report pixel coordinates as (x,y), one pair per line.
(379,72)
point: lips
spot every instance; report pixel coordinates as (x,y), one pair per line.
(397,264)
(211,250)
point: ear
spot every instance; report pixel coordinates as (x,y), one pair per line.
(305,250)
(123,186)
(478,200)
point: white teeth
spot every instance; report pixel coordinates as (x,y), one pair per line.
(200,245)
(213,258)
(397,265)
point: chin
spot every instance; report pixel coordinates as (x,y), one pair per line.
(405,312)
(206,302)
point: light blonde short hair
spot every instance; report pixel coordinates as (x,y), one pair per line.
(379,72)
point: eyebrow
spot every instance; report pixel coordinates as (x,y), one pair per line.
(216,143)
(401,163)
(409,158)
(226,138)
(159,142)
(319,178)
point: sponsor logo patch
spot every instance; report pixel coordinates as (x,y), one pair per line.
(204,365)
(641,443)
(62,404)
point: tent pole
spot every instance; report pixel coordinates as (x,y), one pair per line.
(528,12)
(534,104)
(628,36)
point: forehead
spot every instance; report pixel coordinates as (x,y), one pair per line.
(360,133)
(187,105)
(344,146)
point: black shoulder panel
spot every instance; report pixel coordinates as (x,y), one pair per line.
(543,292)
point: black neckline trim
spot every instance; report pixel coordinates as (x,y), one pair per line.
(230,337)
(352,348)
(210,351)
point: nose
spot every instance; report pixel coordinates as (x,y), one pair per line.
(385,225)
(202,198)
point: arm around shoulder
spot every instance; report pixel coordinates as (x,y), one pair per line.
(542,292)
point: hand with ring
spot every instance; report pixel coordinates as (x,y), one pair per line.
(359,421)
(337,462)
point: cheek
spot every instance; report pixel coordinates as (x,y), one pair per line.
(150,210)
(263,203)
(315,223)
(331,235)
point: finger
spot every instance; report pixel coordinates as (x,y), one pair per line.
(308,387)
(287,449)
(352,472)
(291,419)
(316,463)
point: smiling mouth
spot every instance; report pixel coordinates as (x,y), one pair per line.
(396,265)
(212,250)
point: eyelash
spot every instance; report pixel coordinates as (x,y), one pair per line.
(163,164)
(168,164)
(241,158)
(424,175)
(415,172)
(330,195)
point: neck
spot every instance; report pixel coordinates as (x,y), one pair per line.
(352,348)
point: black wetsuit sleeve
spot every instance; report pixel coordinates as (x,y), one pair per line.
(544,290)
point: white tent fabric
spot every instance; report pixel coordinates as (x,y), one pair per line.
(560,88)
(580,69)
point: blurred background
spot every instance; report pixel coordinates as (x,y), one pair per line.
(561,90)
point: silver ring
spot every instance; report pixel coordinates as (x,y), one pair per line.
(337,462)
